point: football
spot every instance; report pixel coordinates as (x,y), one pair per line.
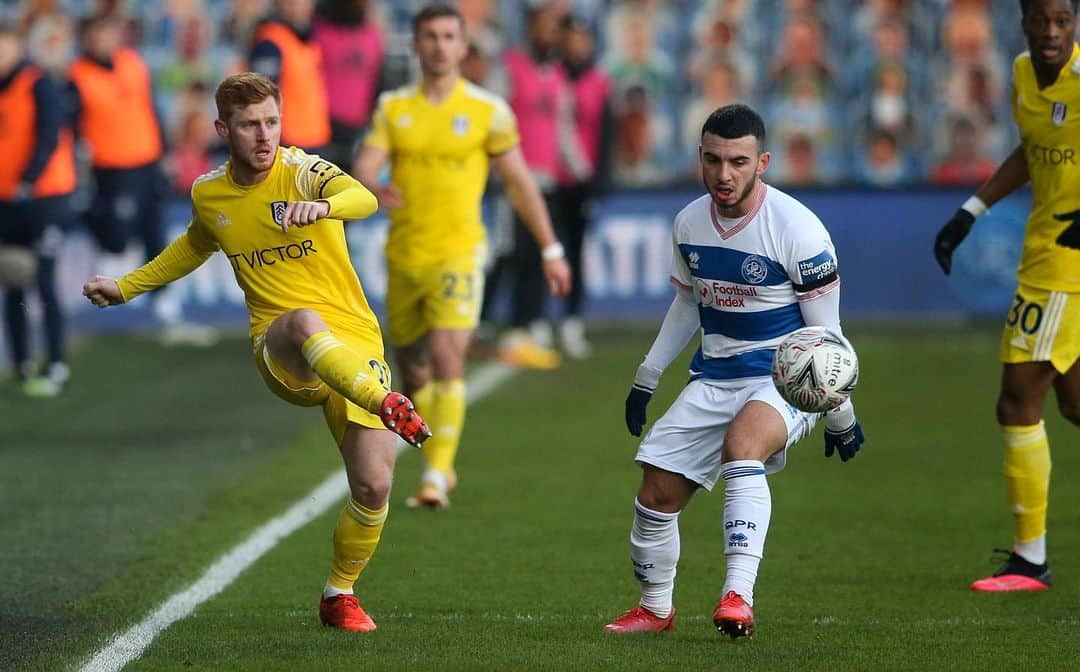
(815,369)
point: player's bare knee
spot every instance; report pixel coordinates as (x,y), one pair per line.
(413,375)
(659,500)
(373,490)
(742,447)
(299,325)
(1014,410)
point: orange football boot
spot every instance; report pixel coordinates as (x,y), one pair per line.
(640,619)
(733,616)
(344,611)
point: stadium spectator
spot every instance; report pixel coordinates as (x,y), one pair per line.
(965,163)
(636,61)
(37,178)
(483,25)
(192,137)
(969,73)
(718,39)
(796,164)
(285,50)
(352,52)
(583,176)
(801,58)
(883,163)
(541,100)
(887,106)
(643,138)
(889,49)
(118,125)
(806,108)
(718,84)
(244,16)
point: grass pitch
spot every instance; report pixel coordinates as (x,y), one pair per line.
(867,563)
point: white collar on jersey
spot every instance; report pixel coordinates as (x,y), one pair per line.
(742,223)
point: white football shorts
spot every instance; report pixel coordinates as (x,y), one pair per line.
(688,438)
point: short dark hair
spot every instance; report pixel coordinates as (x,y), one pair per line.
(436,10)
(1026,4)
(735,121)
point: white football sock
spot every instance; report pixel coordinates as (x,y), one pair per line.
(747,509)
(330,591)
(654,551)
(1032,551)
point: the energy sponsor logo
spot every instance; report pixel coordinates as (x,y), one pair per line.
(722,294)
(268,256)
(817,267)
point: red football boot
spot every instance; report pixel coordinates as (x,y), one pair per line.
(400,416)
(733,616)
(640,619)
(344,611)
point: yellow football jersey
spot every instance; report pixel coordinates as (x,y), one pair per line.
(1049,123)
(439,161)
(307,267)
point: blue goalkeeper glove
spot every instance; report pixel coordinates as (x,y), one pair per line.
(843,433)
(636,402)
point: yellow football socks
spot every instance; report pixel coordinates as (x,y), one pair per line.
(422,399)
(355,538)
(344,370)
(1027,478)
(445,415)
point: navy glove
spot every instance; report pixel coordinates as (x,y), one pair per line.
(950,237)
(846,441)
(636,402)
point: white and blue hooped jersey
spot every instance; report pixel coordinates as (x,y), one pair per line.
(749,276)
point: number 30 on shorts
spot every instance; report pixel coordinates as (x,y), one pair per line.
(1026,315)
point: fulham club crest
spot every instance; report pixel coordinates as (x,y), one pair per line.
(1057,114)
(277,211)
(460,124)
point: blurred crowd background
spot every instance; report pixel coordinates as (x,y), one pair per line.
(887,94)
(877,92)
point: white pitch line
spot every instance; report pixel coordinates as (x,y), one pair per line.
(131,644)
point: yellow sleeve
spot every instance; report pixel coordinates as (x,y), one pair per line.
(379,135)
(182,256)
(502,133)
(349,200)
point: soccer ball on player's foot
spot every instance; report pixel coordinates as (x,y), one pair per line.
(815,369)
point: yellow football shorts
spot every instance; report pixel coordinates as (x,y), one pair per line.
(446,296)
(1042,326)
(338,410)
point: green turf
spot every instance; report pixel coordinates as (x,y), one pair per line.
(867,562)
(141,441)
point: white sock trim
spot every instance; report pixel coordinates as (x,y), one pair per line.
(1032,551)
(330,591)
